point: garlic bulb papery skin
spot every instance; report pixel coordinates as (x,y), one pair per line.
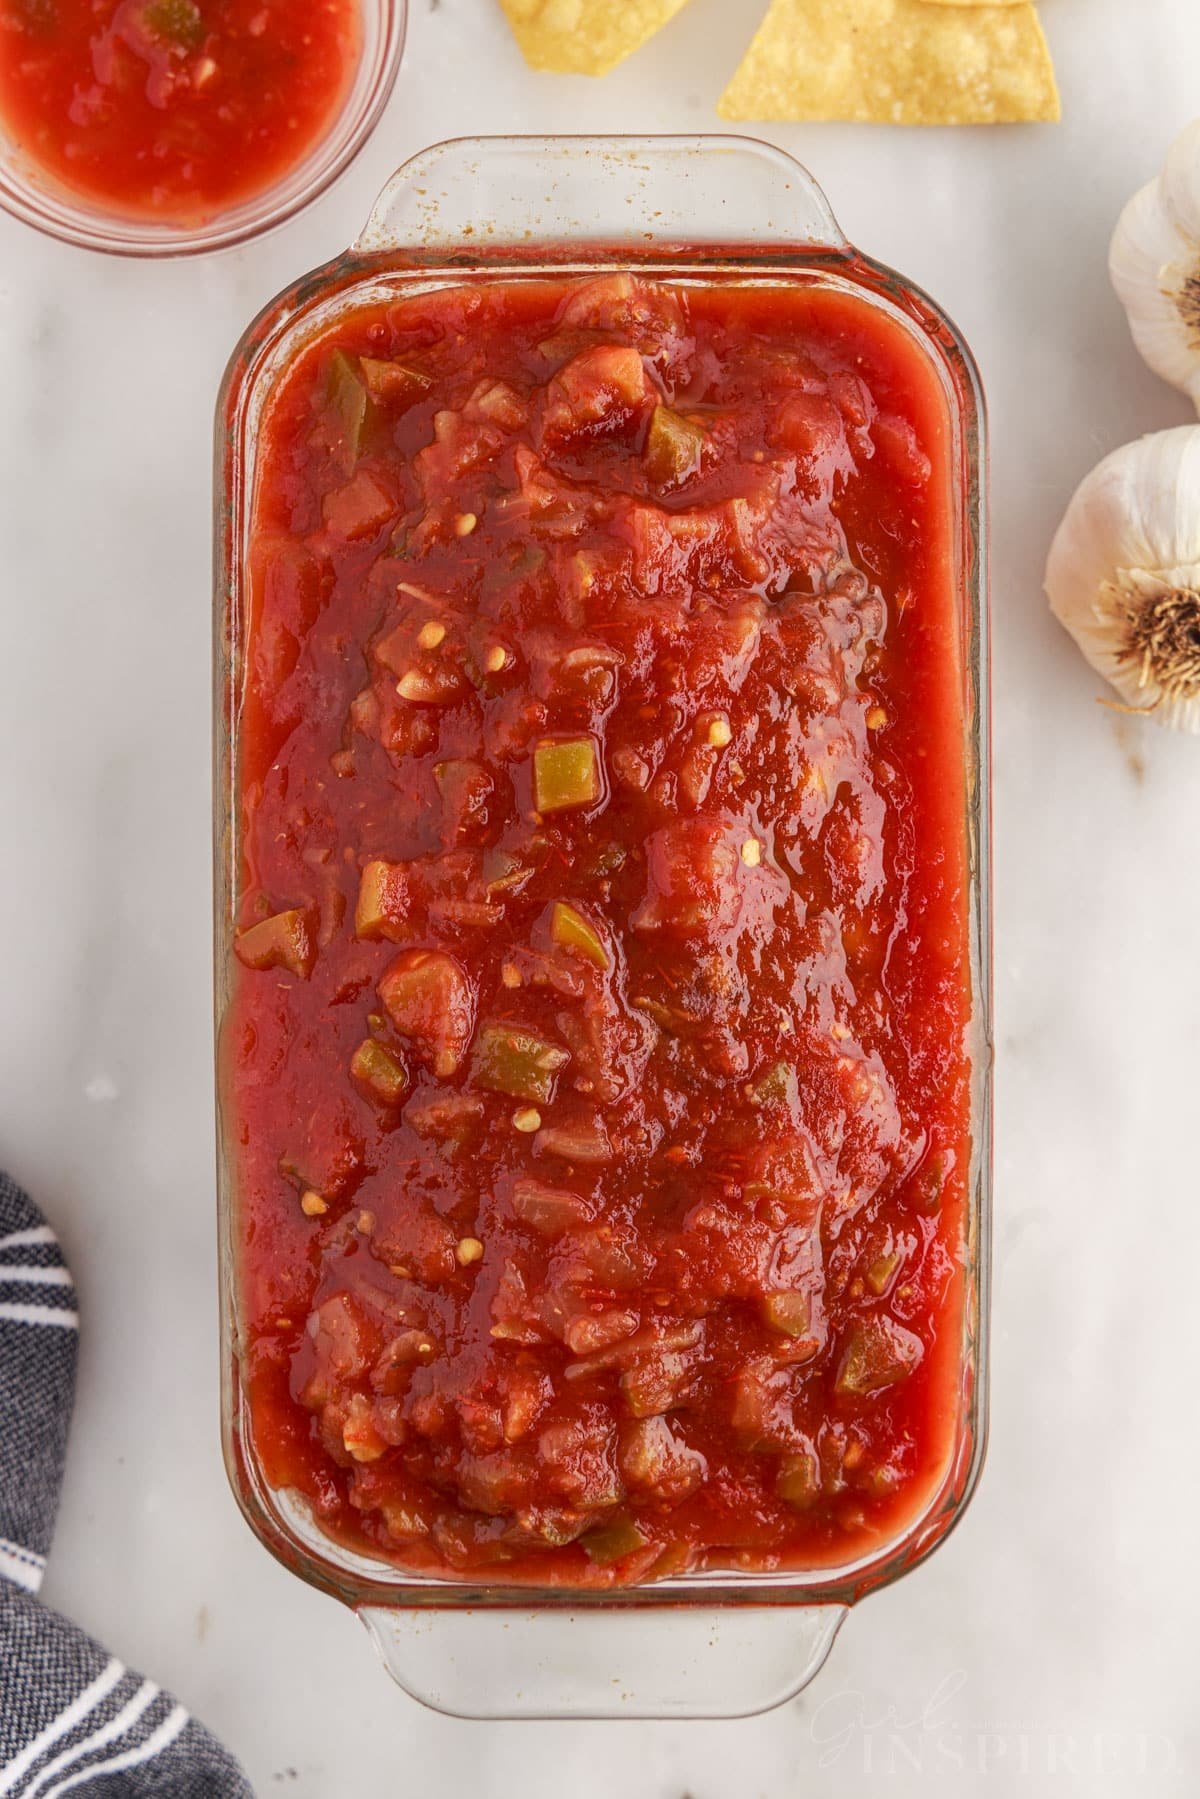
(1154,262)
(1124,574)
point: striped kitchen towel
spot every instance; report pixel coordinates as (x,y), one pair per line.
(73,1719)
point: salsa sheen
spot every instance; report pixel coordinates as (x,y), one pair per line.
(596,1064)
(173,109)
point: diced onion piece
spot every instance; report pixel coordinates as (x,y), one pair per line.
(592,1332)
(470,915)
(878,1352)
(660,1351)
(518,1062)
(450,1118)
(282,941)
(408,1349)
(583,1141)
(673,447)
(384,1076)
(403,1524)
(396,384)
(360,1436)
(566,773)
(499,403)
(572,930)
(548,1210)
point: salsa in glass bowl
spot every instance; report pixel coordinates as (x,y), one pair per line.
(159,126)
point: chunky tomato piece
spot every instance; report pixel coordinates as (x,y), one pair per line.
(600,388)
(429,999)
(596,1055)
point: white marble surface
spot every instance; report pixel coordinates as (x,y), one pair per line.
(1051,1644)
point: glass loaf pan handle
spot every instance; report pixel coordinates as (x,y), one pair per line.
(497,193)
(684,1661)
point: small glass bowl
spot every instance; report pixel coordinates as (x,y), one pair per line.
(31,194)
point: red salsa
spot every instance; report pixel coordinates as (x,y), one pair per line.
(596,1068)
(174,110)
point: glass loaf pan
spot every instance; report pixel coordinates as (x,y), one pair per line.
(691,210)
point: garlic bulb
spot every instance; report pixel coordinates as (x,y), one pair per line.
(1124,574)
(1155,266)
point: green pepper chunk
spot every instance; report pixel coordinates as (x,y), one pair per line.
(612,1541)
(788,1313)
(282,941)
(572,930)
(379,1071)
(348,398)
(928,1189)
(565,774)
(879,1274)
(799,1479)
(878,1352)
(503,872)
(515,1061)
(673,447)
(508,871)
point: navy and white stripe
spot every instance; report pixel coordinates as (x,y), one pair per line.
(39,1336)
(35,1283)
(24,1566)
(73,1719)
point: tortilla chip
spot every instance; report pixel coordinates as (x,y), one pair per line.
(895,62)
(585,37)
(976,2)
